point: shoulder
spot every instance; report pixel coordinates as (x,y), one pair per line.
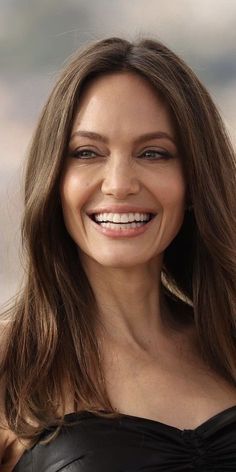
(11,450)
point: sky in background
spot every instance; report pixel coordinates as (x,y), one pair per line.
(36,37)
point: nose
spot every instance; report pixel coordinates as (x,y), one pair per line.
(120,179)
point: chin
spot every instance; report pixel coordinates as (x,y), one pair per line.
(118,261)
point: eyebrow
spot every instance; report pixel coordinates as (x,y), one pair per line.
(140,139)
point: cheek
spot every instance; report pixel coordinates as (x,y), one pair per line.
(73,195)
(170,189)
(74,190)
(175,196)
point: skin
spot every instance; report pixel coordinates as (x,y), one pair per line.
(125,272)
(144,356)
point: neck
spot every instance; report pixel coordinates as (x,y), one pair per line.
(130,301)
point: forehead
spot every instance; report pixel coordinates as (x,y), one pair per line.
(119,82)
(120,99)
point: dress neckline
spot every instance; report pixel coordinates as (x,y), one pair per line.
(218,420)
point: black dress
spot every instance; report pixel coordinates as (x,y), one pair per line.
(134,444)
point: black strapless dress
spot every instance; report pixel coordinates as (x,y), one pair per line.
(134,444)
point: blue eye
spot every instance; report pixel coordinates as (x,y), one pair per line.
(152,154)
(83,154)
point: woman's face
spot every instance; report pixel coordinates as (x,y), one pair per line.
(122,168)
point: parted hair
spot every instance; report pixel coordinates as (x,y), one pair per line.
(52,338)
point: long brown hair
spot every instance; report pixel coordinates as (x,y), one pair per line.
(52,335)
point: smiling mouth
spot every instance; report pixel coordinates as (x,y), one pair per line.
(124,222)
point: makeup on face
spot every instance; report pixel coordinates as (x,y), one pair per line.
(123,189)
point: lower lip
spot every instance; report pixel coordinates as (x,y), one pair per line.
(122,233)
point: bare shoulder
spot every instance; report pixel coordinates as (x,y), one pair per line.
(11,448)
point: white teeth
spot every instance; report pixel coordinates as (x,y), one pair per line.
(116,218)
(99,217)
(122,217)
(121,226)
(110,217)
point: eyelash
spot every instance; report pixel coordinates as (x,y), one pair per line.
(164,154)
(78,154)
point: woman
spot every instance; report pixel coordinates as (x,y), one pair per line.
(121,351)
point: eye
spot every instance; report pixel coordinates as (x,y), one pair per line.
(156,154)
(83,154)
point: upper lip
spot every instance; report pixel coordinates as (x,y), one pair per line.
(120,209)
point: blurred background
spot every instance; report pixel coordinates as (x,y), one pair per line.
(36,37)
